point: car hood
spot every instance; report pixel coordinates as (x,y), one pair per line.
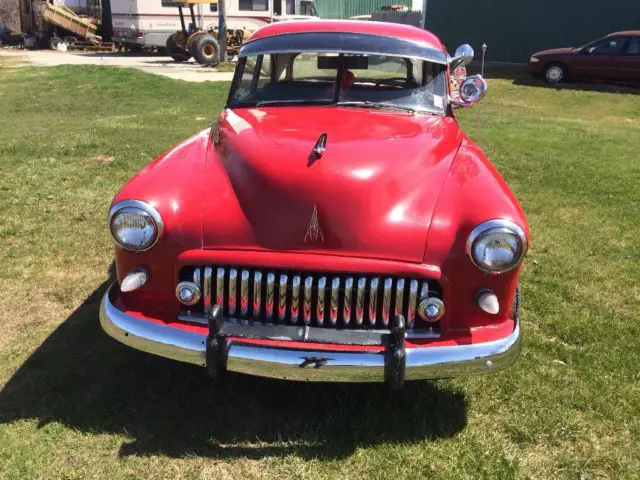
(556,51)
(371,193)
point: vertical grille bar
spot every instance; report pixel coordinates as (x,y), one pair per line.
(295,299)
(244,293)
(206,290)
(233,282)
(270,293)
(335,300)
(220,287)
(322,284)
(346,310)
(386,301)
(399,297)
(362,282)
(413,300)
(196,278)
(306,308)
(282,297)
(257,293)
(373,301)
(424,292)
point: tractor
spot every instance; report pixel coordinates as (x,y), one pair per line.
(199,42)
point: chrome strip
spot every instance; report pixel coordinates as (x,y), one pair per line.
(386,300)
(362,282)
(295,299)
(282,297)
(373,300)
(197,278)
(335,300)
(421,363)
(306,308)
(244,293)
(257,293)
(424,291)
(270,293)
(208,272)
(220,287)
(413,300)
(346,309)
(231,289)
(399,296)
(322,283)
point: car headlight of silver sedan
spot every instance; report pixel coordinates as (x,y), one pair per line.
(497,246)
(135,225)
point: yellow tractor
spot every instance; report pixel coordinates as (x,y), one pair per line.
(199,42)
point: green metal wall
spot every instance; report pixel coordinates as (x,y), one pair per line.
(351,8)
(514,29)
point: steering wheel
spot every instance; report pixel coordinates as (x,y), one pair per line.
(379,83)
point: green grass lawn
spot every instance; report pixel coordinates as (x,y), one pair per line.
(76,404)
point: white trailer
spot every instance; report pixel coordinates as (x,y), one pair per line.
(148,23)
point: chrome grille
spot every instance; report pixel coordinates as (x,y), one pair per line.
(312,298)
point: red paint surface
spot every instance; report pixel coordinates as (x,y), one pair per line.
(396,30)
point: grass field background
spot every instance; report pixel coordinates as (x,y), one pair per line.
(75,404)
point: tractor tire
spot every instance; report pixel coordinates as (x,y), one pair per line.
(205,50)
(175,48)
(54,42)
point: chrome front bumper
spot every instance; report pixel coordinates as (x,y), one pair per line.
(308,365)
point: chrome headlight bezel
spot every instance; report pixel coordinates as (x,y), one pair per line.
(499,225)
(141,208)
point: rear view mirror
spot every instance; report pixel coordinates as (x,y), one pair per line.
(355,62)
(473,89)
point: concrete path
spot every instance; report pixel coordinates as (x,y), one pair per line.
(151,63)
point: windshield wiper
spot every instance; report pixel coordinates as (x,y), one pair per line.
(263,103)
(377,105)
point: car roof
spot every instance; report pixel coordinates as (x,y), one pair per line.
(395,30)
(632,33)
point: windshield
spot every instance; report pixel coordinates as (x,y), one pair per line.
(358,80)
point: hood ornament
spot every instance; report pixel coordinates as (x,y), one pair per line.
(318,149)
(314,232)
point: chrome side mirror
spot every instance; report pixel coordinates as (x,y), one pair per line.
(462,56)
(473,89)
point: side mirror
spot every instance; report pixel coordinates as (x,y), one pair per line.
(462,56)
(473,89)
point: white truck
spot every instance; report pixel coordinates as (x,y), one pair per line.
(148,23)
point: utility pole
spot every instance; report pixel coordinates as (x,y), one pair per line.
(222,30)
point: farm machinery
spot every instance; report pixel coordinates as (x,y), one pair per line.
(201,42)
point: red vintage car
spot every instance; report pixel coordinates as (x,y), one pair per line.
(613,57)
(335,224)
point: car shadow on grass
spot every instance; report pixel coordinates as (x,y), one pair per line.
(83,379)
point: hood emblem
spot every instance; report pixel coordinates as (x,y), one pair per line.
(314,232)
(318,149)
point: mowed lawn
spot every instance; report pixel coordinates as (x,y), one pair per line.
(76,404)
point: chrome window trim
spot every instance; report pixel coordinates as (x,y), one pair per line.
(502,225)
(139,205)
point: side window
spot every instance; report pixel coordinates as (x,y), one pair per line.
(254,5)
(634,46)
(253,80)
(168,3)
(213,7)
(608,46)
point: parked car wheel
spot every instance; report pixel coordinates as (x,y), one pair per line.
(205,50)
(175,49)
(555,73)
(54,42)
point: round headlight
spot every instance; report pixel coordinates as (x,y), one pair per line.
(135,225)
(497,246)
